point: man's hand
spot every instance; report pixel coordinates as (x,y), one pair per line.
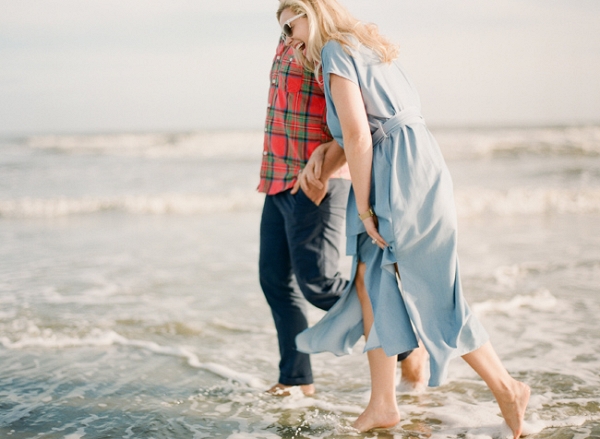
(315,194)
(309,177)
(311,174)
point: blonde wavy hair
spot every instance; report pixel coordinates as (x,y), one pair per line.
(329,20)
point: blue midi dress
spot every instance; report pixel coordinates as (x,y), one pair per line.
(412,196)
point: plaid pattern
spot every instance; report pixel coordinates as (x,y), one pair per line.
(295,123)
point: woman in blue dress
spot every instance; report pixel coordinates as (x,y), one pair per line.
(401,219)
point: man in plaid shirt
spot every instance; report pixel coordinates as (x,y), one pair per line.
(303,215)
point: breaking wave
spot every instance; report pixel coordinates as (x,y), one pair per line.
(99,338)
(489,143)
(470,202)
(142,204)
(520,201)
(210,144)
(455,143)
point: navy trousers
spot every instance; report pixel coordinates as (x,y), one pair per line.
(299,255)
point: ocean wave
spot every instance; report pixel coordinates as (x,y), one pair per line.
(211,144)
(541,300)
(455,143)
(97,338)
(141,204)
(471,202)
(227,325)
(527,201)
(496,142)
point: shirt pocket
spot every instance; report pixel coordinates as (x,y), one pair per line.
(294,77)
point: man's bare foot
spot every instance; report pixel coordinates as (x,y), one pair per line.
(513,404)
(285,390)
(413,370)
(373,418)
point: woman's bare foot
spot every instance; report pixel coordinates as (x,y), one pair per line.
(513,403)
(377,418)
(285,390)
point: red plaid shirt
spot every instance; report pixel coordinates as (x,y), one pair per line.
(295,123)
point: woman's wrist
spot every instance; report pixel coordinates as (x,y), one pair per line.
(366,214)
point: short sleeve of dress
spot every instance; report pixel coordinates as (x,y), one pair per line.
(335,60)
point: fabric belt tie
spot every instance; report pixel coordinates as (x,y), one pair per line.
(408,116)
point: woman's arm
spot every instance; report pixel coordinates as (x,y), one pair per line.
(357,145)
(326,159)
(332,161)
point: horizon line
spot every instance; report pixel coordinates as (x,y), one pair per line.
(180,131)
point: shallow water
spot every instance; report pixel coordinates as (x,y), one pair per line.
(130,306)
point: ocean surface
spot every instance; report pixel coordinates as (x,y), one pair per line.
(130,305)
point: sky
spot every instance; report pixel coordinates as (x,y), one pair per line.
(73,66)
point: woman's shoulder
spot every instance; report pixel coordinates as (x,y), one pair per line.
(350,49)
(334,55)
(332,47)
(336,58)
(342,51)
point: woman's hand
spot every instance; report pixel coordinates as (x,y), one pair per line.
(371,225)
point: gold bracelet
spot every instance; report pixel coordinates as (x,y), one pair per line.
(369,213)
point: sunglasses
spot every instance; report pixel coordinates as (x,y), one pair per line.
(287,29)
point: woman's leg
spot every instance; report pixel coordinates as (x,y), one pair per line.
(512,395)
(382,411)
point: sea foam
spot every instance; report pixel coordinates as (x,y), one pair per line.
(527,201)
(98,338)
(470,202)
(455,143)
(540,300)
(208,144)
(545,141)
(134,204)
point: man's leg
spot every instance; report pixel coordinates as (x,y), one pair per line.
(314,236)
(277,282)
(413,367)
(312,239)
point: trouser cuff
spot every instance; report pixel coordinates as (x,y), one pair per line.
(296,381)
